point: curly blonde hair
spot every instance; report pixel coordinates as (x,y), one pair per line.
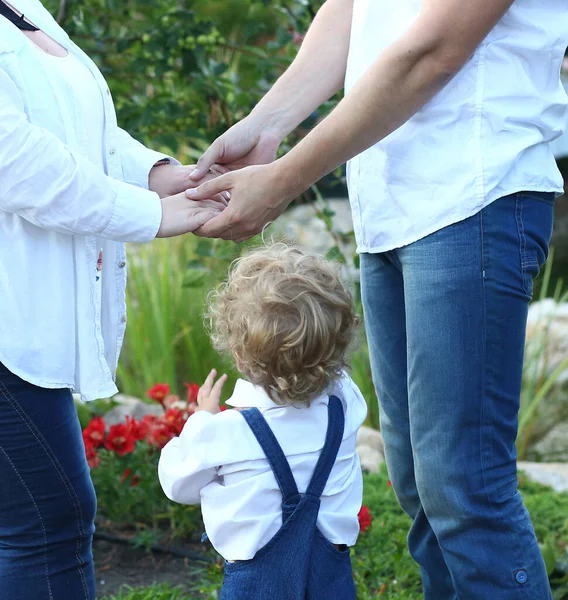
(286,319)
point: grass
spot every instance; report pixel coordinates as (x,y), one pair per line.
(383,567)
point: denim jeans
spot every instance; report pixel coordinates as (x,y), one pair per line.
(47,499)
(446,320)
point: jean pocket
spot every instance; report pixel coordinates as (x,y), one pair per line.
(535,218)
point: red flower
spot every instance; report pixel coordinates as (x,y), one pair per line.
(365,518)
(120,439)
(125,475)
(174,419)
(94,433)
(93,459)
(159,392)
(139,429)
(160,436)
(192,392)
(222,408)
(389,483)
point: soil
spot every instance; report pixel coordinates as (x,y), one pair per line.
(117,565)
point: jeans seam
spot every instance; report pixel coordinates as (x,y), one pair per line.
(523,242)
(518,555)
(57,465)
(38,514)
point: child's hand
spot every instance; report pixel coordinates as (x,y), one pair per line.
(209,396)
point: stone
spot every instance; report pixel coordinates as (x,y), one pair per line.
(300,226)
(131,407)
(547,328)
(370,447)
(554,475)
(554,445)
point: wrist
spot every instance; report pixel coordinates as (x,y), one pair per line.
(289,177)
(268,123)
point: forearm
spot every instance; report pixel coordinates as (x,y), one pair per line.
(317,73)
(399,83)
(395,87)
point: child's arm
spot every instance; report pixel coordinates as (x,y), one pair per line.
(189,463)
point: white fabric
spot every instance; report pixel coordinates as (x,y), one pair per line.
(217,461)
(56,330)
(486,135)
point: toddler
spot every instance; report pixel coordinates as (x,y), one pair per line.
(278,478)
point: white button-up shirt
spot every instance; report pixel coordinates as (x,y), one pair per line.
(486,135)
(217,461)
(59,326)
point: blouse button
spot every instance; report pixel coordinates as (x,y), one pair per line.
(112,151)
(122,264)
(123,319)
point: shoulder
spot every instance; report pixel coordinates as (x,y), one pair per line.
(11,40)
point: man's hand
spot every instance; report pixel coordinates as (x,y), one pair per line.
(209,397)
(245,144)
(169,180)
(258,196)
(180,215)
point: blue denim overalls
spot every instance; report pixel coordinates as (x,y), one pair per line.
(298,563)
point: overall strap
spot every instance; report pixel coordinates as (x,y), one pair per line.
(274,454)
(19,21)
(333,439)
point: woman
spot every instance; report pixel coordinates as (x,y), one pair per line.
(73,187)
(449,110)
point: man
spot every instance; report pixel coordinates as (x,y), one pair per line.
(447,118)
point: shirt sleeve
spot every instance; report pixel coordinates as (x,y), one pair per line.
(49,185)
(189,463)
(137,160)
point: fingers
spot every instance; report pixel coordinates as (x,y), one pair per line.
(205,389)
(217,227)
(218,388)
(211,188)
(207,160)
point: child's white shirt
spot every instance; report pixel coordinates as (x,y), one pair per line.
(218,462)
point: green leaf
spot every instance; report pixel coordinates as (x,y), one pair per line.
(194,278)
(336,255)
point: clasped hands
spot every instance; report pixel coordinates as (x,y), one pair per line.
(235,189)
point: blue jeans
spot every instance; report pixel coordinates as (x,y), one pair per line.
(446,321)
(47,499)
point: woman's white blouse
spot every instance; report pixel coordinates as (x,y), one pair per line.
(218,462)
(487,134)
(65,192)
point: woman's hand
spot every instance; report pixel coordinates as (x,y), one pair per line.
(181,216)
(258,196)
(168,180)
(209,396)
(245,144)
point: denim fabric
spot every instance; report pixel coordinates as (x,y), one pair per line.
(47,500)
(446,320)
(298,563)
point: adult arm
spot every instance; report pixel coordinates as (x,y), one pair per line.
(47,184)
(317,73)
(400,82)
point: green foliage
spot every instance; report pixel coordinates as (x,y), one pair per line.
(157,592)
(166,339)
(182,72)
(129,496)
(383,567)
